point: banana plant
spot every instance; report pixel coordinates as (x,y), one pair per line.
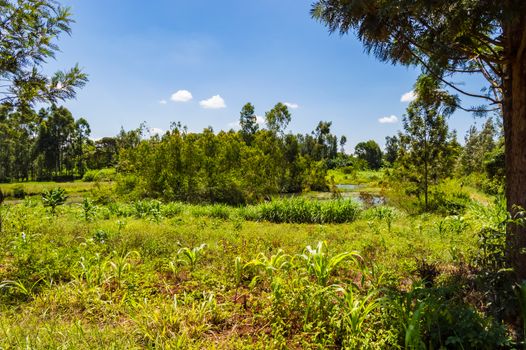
(53,198)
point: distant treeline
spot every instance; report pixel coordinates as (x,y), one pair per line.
(237,166)
(51,145)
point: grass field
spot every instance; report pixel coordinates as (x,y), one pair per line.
(290,274)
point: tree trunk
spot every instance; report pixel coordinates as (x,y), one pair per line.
(514,111)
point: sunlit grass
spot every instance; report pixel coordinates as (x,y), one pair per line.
(147,274)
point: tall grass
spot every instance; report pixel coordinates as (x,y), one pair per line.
(303,211)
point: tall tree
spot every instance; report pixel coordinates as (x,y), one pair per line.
(477,146)
(81,135)
(370,152)
(392,146)
(248,122)
(446,38)
(427,154)
(29,30)
(55,139)
(326,144)
(278,118)
(343,141)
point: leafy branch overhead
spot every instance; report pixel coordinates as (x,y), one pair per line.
(445,38)
(29,31)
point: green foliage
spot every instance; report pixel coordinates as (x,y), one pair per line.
(50,144)
(218,168)
(494,164)
(248,123)
(369,152)
(298,210)
(278,118)
(89,210)
(19,192)
(428,151)
(191,256)
(432,319)
(392,148)
(30,30)
(320,265)
(153,279)
(99,175)
(53,198)
(448,202)
(478,145)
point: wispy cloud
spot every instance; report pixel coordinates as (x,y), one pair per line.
(163,102)
(182,96)
(292,105)
(156,131)
(392,119)
(214,102)
(408,97)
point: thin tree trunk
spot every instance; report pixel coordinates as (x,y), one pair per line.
(514,110)
(426,173)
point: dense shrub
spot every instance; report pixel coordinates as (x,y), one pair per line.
(449,203)
(218,168)
(99,175)
(19,192)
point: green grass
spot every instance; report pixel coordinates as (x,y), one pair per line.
(75,190)
(153,275)
(36,188)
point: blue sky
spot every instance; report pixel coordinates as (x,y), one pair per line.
(139,54)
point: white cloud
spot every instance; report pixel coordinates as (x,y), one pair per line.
(292,105)
(156,131)
(260,120)
(408,97)
(235,125)
(182,96)
(392,119)
(214,102)
(163,102)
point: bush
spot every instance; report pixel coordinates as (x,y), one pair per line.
(19,192)
(105,175)
(449,203)
(431,318)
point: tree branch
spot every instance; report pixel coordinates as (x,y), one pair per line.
(451,85)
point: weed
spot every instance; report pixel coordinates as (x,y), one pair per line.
(191,256)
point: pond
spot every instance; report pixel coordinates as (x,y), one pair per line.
(348,187)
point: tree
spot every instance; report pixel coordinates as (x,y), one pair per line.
(447,38)
(55,138)
(477,146)
(326,144)
(392,146)
(427,154)
(81,138)
(343,141)
(248,123)
(278,118)
(29,30)
(369,152)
